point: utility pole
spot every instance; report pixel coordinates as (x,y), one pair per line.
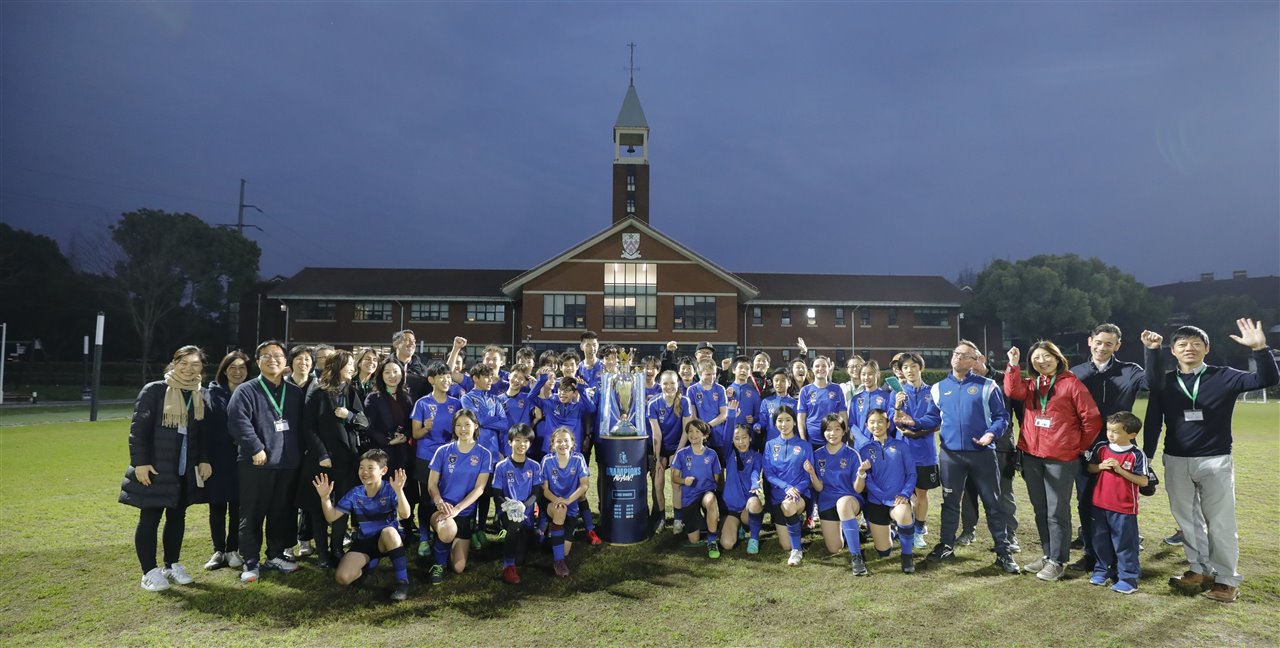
(240,212)
(97,366)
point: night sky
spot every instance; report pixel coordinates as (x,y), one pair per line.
(905,138)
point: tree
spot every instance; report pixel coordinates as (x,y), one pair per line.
(44,297)
(1049,295)
(171,261)
(1217,315)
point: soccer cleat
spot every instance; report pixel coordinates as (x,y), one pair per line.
(561,569)
(593,537)
(908,566)
(424,549)
(478,539)
(234,560)
(437,574)
(154,581)
(1123,587)
(742,533)
(660,525)
(859,566)
(499,536)
(305,548)
(1174,540)
(510,576)
(753,546)
(178,574)
(919,542)
(281,565)
(965,539)
(1098,579)
(217,561)
(940,553)
(1005,562)
(713,549)
(401,592)
(249,575)
(677,527)
(1051,571)
(794,559)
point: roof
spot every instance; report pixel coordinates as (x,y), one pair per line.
(394,283)
(885,290)
(631,115)
(1264,290)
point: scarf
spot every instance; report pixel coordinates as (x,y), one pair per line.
(175,406)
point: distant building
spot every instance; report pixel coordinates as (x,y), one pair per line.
(1264,291)
(629,282)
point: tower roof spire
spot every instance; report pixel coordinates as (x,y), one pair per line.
(631,115)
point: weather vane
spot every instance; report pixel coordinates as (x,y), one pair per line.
(632,68)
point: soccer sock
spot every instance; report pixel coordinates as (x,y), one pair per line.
(793,530)
(557,541)
(400,563)
(907,537)
(587,520)
(754,520)
(919,527)
(441,552)
(849,529)
(712,537)
(483,508)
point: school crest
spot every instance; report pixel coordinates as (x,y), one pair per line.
(844,463)
(706,460)
(475,461)
(880,401)
(822,464)
(971,391)
(796,451)
(511,476)
(631,245)
(777,450)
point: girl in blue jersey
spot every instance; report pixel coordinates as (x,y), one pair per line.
(872,396)
(769,405)
(515,487)
(564,476)
(459,473)
(432,422)
(788,469)
(890,481)
(669,414)
(710,404)
(818,400)
(688,374)
(743,492)
(799,375)
(697,469)
(491,411)
(840,469)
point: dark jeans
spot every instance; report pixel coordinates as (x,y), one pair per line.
(144,537)
(979,467)
(224,539)
(267,494)
(1084,507)
(1008,504)
(1115,540)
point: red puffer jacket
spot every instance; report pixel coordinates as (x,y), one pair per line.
(1074,420)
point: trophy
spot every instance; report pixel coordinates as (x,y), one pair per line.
(622,404)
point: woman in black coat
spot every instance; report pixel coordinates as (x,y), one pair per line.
(388,408)
(332,421)
(168,464)
(223,488)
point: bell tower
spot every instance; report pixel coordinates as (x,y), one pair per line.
(631,157)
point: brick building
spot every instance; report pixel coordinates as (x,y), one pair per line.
(629,282)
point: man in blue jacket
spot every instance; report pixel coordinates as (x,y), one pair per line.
(970,414)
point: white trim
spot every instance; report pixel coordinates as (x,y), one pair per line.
(564,292)
(621,260)
(859,304)
(947,327)
(695,294)
(392,298)
(690,330)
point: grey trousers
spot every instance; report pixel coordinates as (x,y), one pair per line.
(1049,487)
(1210,542)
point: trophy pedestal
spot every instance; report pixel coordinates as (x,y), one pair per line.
(624,489)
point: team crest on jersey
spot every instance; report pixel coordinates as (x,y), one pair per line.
(451,409)
(777,450)
(822,464)
(879,400)
(844,463)
(716,397)
(511,477)
(706,459)
(698,396)
(971,391)
(432,410)
(475,461)
(382,501)
(520,402)
(831,395)
(796,451)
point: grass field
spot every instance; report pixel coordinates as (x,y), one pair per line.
(71,577)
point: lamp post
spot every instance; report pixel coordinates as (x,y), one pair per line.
(97,366)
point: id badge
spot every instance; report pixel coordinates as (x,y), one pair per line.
(1193,415)
(282,426)
(1044,422)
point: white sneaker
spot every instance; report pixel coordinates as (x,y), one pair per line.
(234,560)
(281,565)
(217,561)
(305,549)
(178,574)
(154,581)
(249,576)
(677,527)
(794,560)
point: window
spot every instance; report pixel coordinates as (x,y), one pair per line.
(786,355)
(316,310)
(756,318)
(696,313)
(840,357)
(631,206)
(932,317)
(486,312)
(786,316)
(893,317)
(564,311)
(631,180)
(840,316)
(373,311)
(630,295)
(431,352)
(811,316)
(864,318)
(429,312)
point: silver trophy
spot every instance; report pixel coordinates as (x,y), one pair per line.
(622,404)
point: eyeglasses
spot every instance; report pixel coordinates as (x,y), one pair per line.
(271,356)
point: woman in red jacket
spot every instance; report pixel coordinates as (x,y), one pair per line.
(1061,421)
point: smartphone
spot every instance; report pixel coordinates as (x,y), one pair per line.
(893,383)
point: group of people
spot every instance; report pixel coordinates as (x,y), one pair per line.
(337,448)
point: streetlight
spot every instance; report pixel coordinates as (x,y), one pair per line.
(284,308)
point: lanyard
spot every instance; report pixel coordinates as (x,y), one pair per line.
(1195,389)
(1044,400)
(278,407)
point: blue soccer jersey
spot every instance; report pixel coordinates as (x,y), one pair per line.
(370,514)
(669,421)
(740,482)
(748,407)
(893,471)
(784,467)
(441,417)
(924,449)
(815,403)
(592,373)
(563,415)
(768,407)
(863,403)
(562,481)
(707,402)
(838,472)
(520,481)
(703,468)
(492,412)
(459,471)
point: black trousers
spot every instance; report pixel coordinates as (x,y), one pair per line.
(267,494)
(980,468)
(144,537)
(224,540)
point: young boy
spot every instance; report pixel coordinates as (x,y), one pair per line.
(913,401)
(711,405)
(515,485)
(376,507)
(491,411)
(1122,470)
(766,431)
(432,421)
